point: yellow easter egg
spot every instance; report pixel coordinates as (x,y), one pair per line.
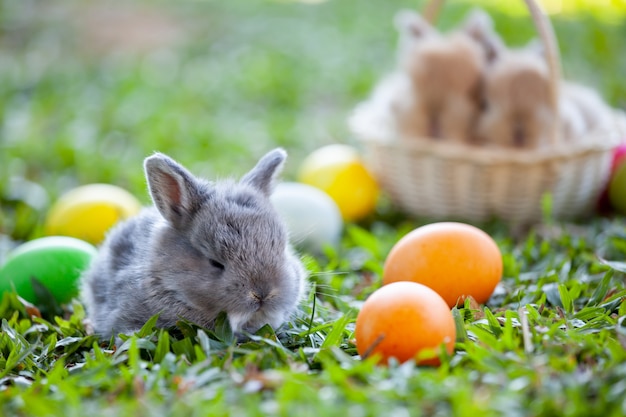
(89,211)
(339,171)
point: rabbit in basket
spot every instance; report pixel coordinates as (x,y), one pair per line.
(518,112)
(204,248)
(442,75)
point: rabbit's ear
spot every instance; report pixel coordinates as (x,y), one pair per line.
(479,25)
(478,22)
(263,175)
(413,24)
(174,190)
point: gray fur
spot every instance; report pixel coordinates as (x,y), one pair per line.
(167,259)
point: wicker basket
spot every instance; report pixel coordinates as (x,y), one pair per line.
(438,179)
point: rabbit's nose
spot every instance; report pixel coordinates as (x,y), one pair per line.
(259,297)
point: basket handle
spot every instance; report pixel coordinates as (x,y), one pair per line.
(546,34)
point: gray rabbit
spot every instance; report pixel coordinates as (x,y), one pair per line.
(205,248)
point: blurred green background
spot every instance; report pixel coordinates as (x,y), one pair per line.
(88,89)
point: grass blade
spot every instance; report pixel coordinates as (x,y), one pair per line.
(602,289)
(334,337)
(566,299)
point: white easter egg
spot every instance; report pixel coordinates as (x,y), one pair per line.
(312,216)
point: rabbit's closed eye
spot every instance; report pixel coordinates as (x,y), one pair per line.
(216,264)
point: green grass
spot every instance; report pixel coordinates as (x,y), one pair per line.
(248,76)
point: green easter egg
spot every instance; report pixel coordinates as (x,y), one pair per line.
(55,261)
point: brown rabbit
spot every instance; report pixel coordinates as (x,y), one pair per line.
(516,97)
(444,73)
(518,112)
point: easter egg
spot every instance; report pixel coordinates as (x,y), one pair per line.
(619,156)
(338,170)
(312,217)
(55,261)
(405,320)
(454,259)
(89,211)
(617,189)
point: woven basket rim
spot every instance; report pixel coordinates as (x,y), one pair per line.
(599,140)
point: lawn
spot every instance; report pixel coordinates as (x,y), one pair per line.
(86,95)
